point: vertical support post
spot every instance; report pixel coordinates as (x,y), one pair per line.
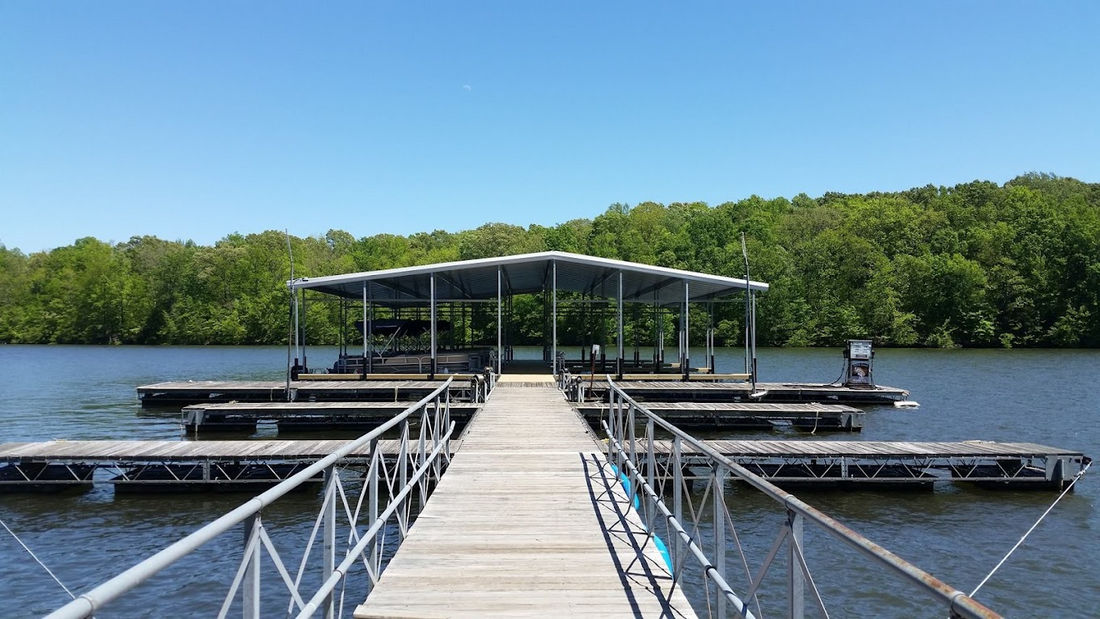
(659,317)
(720,531)
(650,477)
(372,498)
(610,422)
(404,462)
(423,447)
(619,361)
(754,377)
(796,584)
(685,366)
(431,316)
(250,605)
(305,364)
(677,503)
(710,338)
(617,405)
(633,445)
(366,328)
(500,320)
(554,317)
(297,330)
(680,341)
(330,537)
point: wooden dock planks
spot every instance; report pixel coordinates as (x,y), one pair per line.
(764,392)
(522,524)
(746,415)
(876,448)
(318,414)
(528,454)
(130,451)
(209,391)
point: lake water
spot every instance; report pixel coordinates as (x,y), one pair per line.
(957,534)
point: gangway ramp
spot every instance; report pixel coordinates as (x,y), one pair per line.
(528,520)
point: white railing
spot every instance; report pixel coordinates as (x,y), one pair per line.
(400,482)
(654,478)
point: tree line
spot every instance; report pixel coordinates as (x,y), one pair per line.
(977,264)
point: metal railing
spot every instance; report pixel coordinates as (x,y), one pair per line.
(653,477)
(420,462)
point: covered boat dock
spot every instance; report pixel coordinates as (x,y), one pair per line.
(586,279)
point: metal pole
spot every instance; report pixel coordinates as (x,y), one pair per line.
(720,532)
(371,335)
(289,346)
(500,320)
(750,319)
(365,328)
(680,343)
(796,584)
(432,318)
(687,330)
(554,318)
(619,362)
(305,364)
(660,313)
(250,604)
(650,475)
(297,330)
(754,341)
(677,502)
(330,536)
(372,498)
(710,338)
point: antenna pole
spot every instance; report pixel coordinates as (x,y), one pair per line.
(750,318)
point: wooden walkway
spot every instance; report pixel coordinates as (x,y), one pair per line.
(523,523)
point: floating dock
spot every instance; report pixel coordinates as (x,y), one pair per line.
(302,416)
(165,465)
(388,390)
(811,463)
(869,463)
(746,415)
(716,391)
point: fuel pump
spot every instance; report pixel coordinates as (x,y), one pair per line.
(858,361)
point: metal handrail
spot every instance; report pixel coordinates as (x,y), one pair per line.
(958,602)
(708,567)
(88,603)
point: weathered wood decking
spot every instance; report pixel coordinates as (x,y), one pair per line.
(523,523)
(299,415)
(207,391)
(812,416)
(123,451)
(155,466)
(703,391)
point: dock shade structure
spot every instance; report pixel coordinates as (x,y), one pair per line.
(496,280)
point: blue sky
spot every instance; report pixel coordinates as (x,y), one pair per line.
(195,120)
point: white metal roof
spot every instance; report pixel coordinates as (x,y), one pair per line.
(529,273)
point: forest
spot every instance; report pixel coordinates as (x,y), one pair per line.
(974,265)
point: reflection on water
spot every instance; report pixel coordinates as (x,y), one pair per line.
(956,534)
